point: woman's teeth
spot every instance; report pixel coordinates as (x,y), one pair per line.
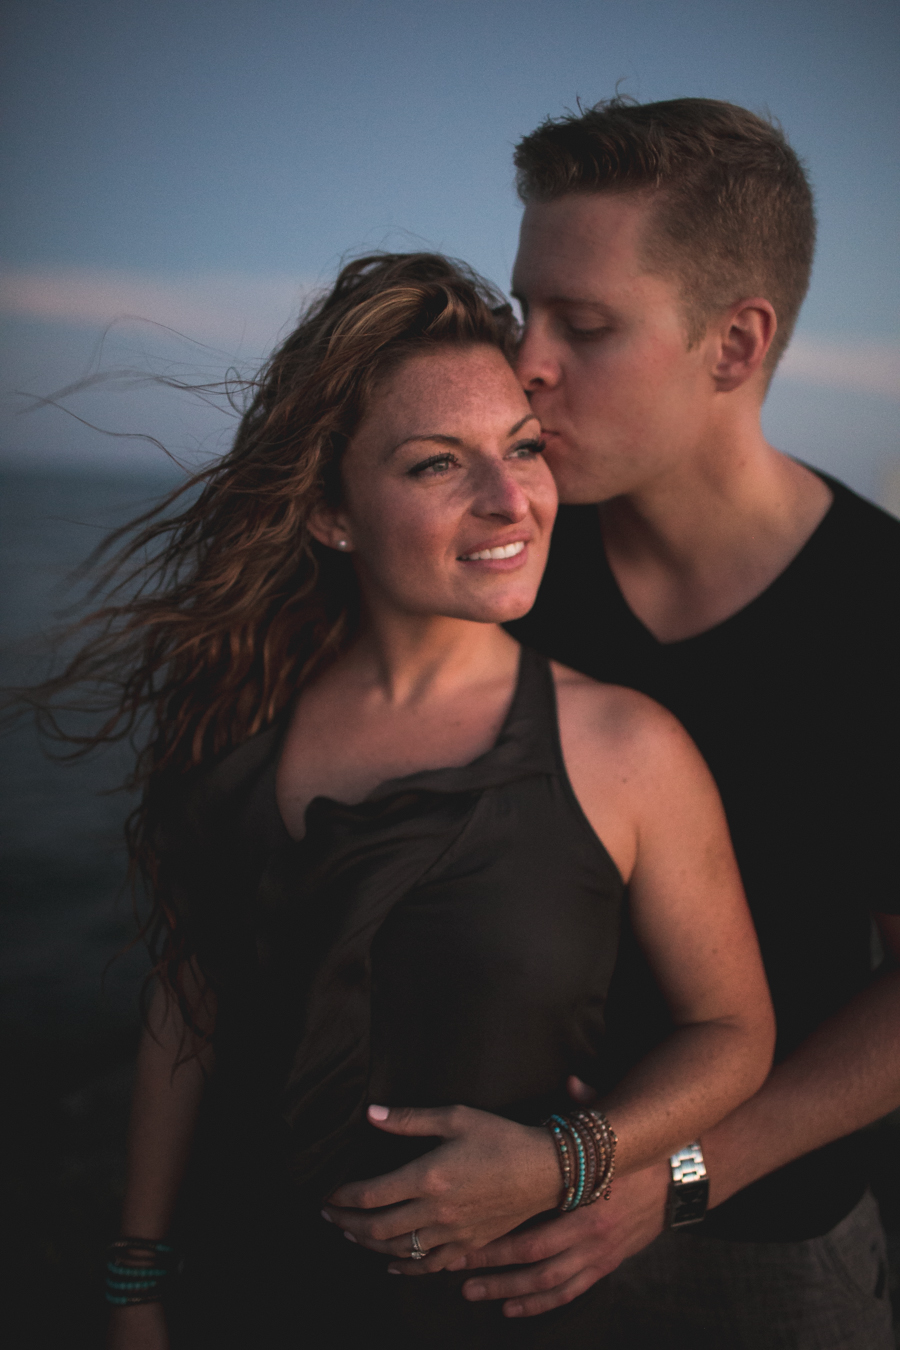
(492,554)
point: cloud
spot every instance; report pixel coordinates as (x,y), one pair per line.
(864,367)
(232,310)
(222,309)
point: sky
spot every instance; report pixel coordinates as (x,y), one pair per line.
(178,176)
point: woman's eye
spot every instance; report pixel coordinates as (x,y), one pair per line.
(528,449)
(435,466)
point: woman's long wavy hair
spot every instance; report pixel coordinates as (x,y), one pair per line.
(218,603)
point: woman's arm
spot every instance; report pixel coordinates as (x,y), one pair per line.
(690,916)
(651,799)
(164,1109)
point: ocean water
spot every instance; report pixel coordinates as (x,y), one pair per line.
(68,982)
(60,823)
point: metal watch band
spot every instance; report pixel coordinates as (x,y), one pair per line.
(688,1188)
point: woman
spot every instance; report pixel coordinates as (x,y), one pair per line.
(389,851)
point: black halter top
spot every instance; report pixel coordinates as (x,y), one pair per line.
(450,939)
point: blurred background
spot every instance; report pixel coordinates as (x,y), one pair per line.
(177,179)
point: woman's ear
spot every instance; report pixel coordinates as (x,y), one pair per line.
(330,528)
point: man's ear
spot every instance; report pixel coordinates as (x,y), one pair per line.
(330,528)
(745,335)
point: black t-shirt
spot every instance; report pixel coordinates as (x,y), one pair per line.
(794,702)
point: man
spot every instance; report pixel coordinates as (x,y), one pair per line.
(665,252)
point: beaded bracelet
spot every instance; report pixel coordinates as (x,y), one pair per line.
(136,1269)
(564,1155)
(605,1141)
(586,1150)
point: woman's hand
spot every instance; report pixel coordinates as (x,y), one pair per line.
(140,1327)
(489,1176)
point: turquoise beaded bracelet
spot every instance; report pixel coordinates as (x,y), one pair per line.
(136,1270)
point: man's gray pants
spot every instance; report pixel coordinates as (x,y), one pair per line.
(690,1292)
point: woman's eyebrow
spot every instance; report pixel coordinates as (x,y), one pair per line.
(529,417)
(442,439)
(424,436)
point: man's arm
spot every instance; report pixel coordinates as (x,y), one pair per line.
(843,1077)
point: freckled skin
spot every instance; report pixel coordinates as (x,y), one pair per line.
(412,513)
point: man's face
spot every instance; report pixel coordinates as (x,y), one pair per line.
(605,359)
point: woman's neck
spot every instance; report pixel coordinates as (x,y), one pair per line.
(403,698)
(405,660)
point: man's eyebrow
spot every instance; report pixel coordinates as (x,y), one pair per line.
(440,439)
(581,301)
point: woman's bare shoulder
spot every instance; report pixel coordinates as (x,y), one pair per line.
(608,717)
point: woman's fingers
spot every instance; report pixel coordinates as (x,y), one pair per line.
(377,1192)
(580,1091)
(433,1241)
(388,1230)
(441,1122)
(444,1122)
(465,1190)
(439,1257)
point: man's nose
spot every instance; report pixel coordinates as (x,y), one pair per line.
(536,363)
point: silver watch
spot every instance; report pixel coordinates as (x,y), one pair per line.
(688,1188)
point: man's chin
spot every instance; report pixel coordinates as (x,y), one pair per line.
(578,486)
(575,483)
(575,490)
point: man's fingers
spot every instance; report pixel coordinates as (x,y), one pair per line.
(543,1277)
(532,1304)
(534,1245)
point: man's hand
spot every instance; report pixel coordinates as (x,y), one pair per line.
(569,1254)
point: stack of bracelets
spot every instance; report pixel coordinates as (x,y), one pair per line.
(136,1269)
(586,1148)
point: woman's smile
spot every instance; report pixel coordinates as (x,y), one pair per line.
(505,553)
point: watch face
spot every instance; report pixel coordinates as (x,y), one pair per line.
(687,1203)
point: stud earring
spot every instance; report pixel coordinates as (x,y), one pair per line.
(342,543)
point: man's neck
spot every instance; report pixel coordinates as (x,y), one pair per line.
(696,545)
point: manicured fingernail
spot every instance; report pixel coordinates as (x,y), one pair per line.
(457,1265)
(394,1270)
(378,1112)
(474,1292)
(349,1236)
(513,1310)
(326,1216)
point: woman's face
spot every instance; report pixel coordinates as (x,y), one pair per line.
(448,503)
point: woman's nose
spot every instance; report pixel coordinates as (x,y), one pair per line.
(536,364)
(501,494)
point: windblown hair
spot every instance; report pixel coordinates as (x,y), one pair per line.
(733,210)
(219,609)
